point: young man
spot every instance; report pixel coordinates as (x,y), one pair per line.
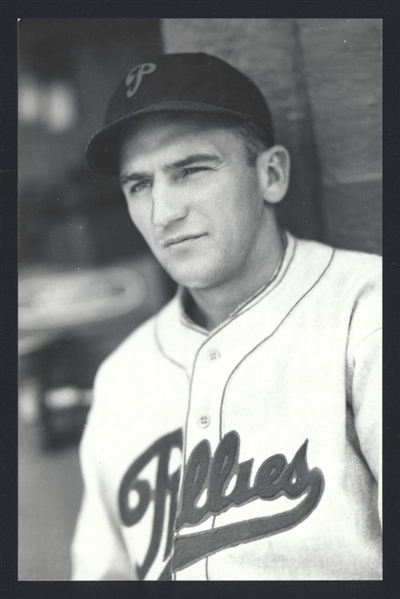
(236,435)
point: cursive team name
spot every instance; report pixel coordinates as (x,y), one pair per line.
(213,475)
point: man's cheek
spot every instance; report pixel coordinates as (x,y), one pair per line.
(142,223)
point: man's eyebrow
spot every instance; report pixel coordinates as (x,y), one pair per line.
(193,158)
(133,177)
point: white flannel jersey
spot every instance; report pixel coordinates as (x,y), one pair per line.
(251,452)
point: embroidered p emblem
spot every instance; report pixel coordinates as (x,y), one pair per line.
(135,76)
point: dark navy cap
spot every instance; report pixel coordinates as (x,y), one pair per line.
(180,83)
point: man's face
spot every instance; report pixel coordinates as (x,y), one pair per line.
(194,198)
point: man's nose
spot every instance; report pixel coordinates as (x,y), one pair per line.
(168,204)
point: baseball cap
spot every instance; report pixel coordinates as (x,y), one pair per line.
(187,82)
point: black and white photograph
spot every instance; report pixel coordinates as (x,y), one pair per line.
(200,299)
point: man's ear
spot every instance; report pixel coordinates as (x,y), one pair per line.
(273,168)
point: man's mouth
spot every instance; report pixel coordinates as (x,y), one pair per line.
(180,240)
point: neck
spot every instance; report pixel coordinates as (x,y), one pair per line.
(212,306)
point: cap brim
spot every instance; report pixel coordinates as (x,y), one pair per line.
(102,151)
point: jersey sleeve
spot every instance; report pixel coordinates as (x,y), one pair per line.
(367,404)
(98,551)
(365,366)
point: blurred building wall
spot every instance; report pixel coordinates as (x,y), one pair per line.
(322,78)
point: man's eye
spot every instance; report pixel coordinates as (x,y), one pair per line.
(194,169)
(139,186)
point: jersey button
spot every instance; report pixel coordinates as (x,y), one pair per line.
(203,421)
(213,355)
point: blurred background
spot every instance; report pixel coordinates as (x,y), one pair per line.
(86,277)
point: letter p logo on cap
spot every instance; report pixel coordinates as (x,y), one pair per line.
(136,77)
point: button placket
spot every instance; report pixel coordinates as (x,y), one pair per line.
(208,381)
(212,355)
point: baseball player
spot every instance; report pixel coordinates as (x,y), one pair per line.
(235,435)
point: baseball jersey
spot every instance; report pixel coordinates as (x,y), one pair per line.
(250,452)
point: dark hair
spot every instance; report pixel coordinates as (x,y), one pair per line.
(255,139)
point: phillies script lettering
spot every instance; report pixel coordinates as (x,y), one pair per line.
(213,475)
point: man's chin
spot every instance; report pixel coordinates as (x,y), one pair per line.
(190,278)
